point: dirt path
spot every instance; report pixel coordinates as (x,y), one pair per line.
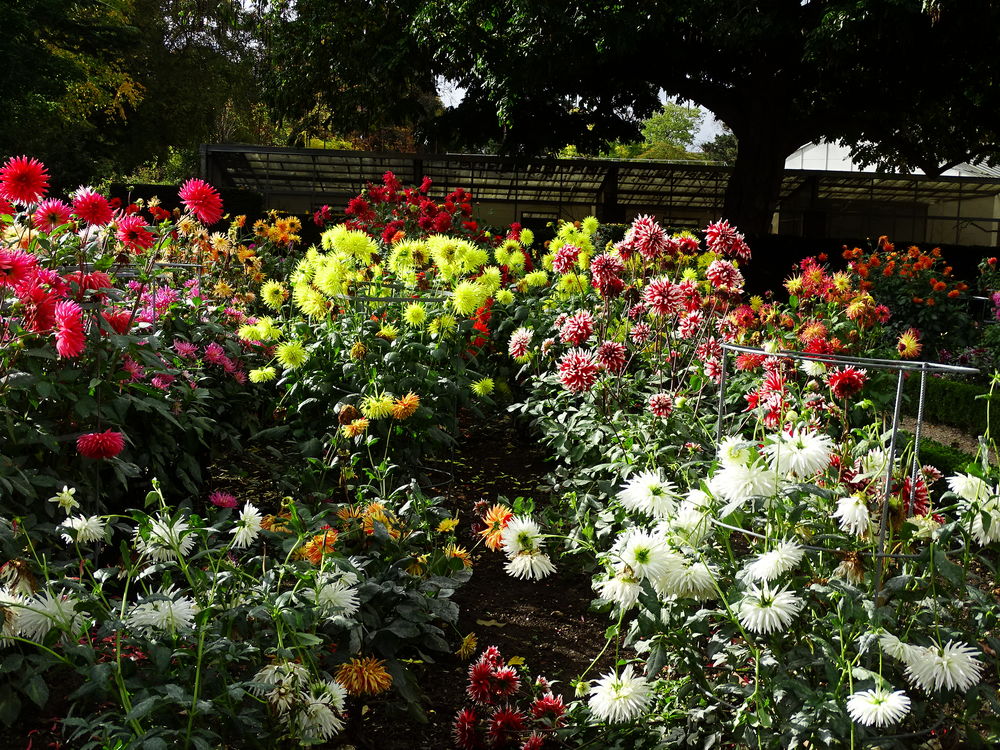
(547,622)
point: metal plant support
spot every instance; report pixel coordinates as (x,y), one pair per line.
(900,367)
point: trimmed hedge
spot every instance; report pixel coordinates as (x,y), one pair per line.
(959,405)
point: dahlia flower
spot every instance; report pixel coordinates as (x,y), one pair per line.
(852,514)
(91,208)
(565,258)
(166,539)
(577,370)
(846,382)
(248,527)
(878,707)
(333,596)
(621,589)
(65,500)
(70,340)
(648,237)
(663,297)
(202,200)
(723,239)
(50,215)
(950,667)
(39,614)
(661,405)
(521,534)
(763,610)
(85,529)
(724,275)
(291,355)
(801,453)
(612,355)
(168,613)
(773,563)
(406,406)
(650,494)
(320,716)
(645,553)
(107,444)
(969,487)
(16,266)
(617,699)
(133,233)
(530,565)
(365,675)
(23,180)
(577,329)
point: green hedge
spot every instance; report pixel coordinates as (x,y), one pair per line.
(959,405)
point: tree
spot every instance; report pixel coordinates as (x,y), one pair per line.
(347,68)
(673,124)
(722,148)
(905,82)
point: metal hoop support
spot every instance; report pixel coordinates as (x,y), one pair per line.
(889,365)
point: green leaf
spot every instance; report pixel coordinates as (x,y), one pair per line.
(37,690)
(142,708)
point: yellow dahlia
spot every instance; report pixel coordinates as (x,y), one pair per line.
(309,300)
(908,345)
(415,314)
(274,294)
(467,647)
(377,406)
(483,387)
(459,553)
(447,525)
(263,375)
(354,428)
(467,296)
(291,355)
(358,350)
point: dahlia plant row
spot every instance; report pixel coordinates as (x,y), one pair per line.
(136,346)
(800,583)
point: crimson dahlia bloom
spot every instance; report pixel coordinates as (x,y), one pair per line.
(132,233)
(23,180)
(91,208)
(15,266)
(577,370)
(846,382)
(663,297)
(202,200)
(107,444)
(50,215)
(70,341)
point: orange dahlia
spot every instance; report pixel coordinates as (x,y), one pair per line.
(366,675)
(405,406)
(496,520)
(319,545)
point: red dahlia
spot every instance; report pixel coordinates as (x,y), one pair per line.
(15,266)
(577,328)
(6,207)
(846,382)
(132,233)
(23,180)
(577,370)
(565,258)
(467,735)
(107,444)
(50,215)
(92,208)
(661,405)
(70,341)
(202,200)
(611,355)
(504,724)
(663,297)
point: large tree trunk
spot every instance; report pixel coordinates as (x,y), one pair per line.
(755,183)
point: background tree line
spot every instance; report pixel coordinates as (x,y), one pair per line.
(101,88)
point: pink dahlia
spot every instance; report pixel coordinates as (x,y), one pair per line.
(135,370)
(577,370)
(185,349)
(723,239)
(107,444)
(577,328)
(663,296)
(565,258)
(519,342)
(15,266)
(23,180)
(91,208)
(70,341)
(215,354)
(724,275)
(223,500)
(611,356)
(133,233)
(50,215)
(202,200)
(846,382)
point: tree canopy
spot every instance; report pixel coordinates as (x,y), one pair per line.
(907,83)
